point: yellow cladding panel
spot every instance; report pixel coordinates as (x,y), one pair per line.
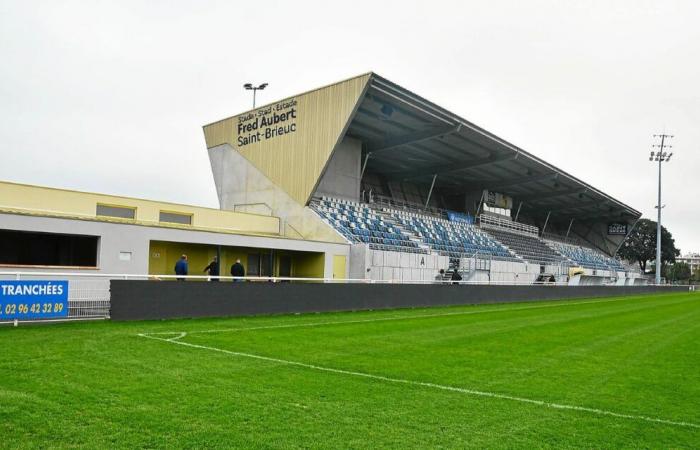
(339,266)
(308,265)
(290,141)
(164,255)
(59,202)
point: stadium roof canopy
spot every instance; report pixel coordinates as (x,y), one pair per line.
(408,138)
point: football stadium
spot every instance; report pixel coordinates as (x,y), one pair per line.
(381,273)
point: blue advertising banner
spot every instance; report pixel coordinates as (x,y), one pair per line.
(454,216)
(33,299)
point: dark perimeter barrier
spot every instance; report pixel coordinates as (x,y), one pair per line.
(143,300)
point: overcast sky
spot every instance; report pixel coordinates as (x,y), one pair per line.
(111,96)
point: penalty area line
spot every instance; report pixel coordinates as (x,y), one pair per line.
(472,392)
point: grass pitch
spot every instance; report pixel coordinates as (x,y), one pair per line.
(603,373)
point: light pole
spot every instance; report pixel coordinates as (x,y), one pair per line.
(250,87)
(660,156)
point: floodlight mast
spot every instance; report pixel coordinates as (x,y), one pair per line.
(255,89)
(660,156)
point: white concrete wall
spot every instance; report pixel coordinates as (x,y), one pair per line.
(242,187)
(398,266)
(500,271)
(342,176)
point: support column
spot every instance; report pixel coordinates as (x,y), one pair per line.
(430,192)
(546,221)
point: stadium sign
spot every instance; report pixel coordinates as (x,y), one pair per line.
(617,229)
(497,200)
(35,299)
(267,123)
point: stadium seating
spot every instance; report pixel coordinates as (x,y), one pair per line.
(528,247)
(390,229)
(452,238)
(586,257)
(361,224)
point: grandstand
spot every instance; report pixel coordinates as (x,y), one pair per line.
(371,182)
(390,172)
(399,230)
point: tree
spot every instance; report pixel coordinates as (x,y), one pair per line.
(696,275)
(679,271)
(640,245)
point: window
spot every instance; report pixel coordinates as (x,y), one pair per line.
(172,217)
(120,212)
(25,248)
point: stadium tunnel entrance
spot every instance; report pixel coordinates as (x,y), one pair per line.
(257,261)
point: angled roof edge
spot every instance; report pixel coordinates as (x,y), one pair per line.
(344,131)
(447,116)
(290,97)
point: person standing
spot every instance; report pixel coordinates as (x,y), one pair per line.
(237,270)
(440,277)
(181,267)
(213,269)
(456,277)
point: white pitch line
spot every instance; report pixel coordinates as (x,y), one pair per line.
(441,387)
(383,319)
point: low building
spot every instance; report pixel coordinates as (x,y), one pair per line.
(692,259)
(46,229)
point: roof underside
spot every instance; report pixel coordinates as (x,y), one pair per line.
(411,139)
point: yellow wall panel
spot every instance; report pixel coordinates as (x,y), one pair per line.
(339,266)
(60,202)
(308,265)
(312,124)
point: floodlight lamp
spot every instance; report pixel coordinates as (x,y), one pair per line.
(262,86)
(669,156)
(652,154)
(248,86)
(651,158)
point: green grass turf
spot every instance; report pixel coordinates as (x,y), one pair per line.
(100,385)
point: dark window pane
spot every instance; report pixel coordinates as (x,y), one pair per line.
(185,219)
(121,212)
(23,248)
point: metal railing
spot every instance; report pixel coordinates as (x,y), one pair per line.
(489,221)
(379,201)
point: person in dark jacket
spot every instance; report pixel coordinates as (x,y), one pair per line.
(213,269)
(181,267)
(456,277)
(237,270)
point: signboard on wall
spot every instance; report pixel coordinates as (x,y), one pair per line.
(617,229)
(33,299)
(498,200)
(454,216)
(267,123)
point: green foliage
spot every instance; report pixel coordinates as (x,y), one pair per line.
(679,271)
(640,245)
(696,275)
(100,385)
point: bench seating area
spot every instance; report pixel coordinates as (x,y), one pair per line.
(587,257)
(452,238)
(361,224)
(528,247)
